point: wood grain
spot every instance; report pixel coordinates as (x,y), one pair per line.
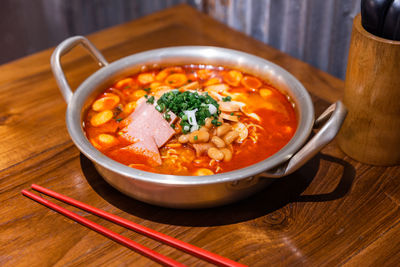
(371,131)
(332,211)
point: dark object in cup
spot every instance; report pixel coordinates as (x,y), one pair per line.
(391,26)
(381,18)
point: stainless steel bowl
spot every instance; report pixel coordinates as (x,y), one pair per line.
(189,191)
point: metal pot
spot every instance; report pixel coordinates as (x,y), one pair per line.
(189,191)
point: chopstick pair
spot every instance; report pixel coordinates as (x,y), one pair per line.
(157,257)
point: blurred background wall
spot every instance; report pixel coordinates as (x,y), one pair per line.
(315,31)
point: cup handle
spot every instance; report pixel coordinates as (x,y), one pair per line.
(333,118)
(63,49)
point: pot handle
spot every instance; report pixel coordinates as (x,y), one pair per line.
(333,118)
(63,49)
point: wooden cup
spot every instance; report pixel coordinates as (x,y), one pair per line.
(371,131)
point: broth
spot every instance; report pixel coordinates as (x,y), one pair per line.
(190,120)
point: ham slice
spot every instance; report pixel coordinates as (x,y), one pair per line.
(147,149)
(146,121)
(147,130)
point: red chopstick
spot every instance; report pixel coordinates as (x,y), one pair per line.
(196,251)
(102,230)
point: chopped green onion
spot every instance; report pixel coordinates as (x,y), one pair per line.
(216,122)
(226,99)
(158,108)
(147,89)
(195,137)
(173,125)
(180,102)
(118,109)
(162,106)
(150,99)
(167,116)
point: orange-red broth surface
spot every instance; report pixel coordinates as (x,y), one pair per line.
(265,123)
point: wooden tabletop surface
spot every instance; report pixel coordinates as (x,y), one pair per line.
(333,211)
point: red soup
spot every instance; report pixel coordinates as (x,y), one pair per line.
(190,120)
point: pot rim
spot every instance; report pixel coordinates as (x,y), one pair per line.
(297,91)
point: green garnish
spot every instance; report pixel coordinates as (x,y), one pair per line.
(147,89)
(126,87)
(227,98)
(119,119)
(173,125)
(181,102)
(150,99)
(195,138)
(184,125)
(216,122)
(232,113)
(117,110)
(167,116)
(158,108)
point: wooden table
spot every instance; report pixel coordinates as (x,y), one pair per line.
(333,211)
